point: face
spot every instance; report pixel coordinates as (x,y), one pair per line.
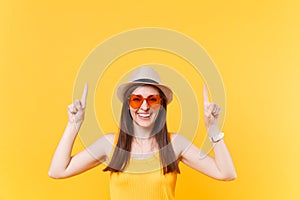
(146,114)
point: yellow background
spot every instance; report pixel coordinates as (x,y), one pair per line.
(255,45)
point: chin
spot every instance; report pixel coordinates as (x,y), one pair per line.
(145,123)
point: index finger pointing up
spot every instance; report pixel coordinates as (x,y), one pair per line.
(84,95)
(205,95)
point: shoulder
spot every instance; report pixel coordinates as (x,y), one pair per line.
(179,143)
(174,135)
(103,144)
(178,138)
(110,137)
(106,138)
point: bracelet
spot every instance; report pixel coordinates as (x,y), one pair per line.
(217,138)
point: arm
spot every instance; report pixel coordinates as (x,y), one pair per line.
(220,167)
(64,165)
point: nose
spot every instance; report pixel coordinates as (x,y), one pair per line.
(145,105)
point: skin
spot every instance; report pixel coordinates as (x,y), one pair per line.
(64,165)
(143,145)
(144,125)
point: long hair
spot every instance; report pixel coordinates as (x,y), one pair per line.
(121,155)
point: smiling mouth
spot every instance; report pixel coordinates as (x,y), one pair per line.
(144,115)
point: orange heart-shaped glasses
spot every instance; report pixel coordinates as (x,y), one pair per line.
(135,101)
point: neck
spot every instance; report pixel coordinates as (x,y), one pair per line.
(142,132)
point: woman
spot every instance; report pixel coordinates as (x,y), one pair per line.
(144,160)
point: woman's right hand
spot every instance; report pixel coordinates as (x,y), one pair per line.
(76,110)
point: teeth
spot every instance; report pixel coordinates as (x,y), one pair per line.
(144,115)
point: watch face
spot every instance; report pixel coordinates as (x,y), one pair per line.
(217,138)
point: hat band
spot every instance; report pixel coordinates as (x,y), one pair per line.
(145,80)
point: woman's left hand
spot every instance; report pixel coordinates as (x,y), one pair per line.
(211,114)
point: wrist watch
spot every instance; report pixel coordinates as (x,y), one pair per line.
(217,138)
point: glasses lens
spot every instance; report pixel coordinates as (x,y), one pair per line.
(153,100)
(136,101)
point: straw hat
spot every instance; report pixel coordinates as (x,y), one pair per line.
(146,75)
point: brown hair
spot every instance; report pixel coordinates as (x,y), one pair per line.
(121,155)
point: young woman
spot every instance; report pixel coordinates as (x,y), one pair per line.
(143,157)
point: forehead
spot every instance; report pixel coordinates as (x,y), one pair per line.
(146,90)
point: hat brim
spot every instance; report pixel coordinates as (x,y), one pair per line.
(124,87)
